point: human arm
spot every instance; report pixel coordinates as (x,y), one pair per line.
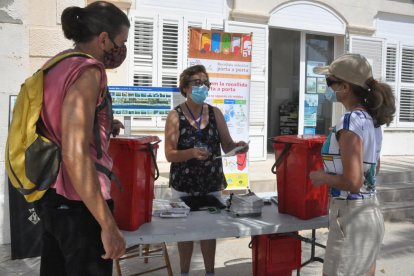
(172,133)
(351,149)
(78,113)
(226,141)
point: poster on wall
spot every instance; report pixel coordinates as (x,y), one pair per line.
(311,108)
(141,100)
(312,64)
(227,58)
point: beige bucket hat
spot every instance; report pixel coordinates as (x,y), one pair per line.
(352,68)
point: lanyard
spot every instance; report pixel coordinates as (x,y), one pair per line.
(200,118)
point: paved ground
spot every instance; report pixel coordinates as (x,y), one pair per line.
(234,256)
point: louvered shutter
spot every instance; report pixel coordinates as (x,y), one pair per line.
(144,60)
(258,86)
(391,72)
(169,49)
(406,112)
(187,23)
(374,50)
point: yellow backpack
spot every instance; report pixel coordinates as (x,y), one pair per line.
(32,160)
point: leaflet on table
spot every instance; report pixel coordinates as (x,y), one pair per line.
(167,208)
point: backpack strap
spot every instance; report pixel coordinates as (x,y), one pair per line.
(61,57)
(107,102)
(109,174)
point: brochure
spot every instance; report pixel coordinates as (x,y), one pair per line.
(172,209)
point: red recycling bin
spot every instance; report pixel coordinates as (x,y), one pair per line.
(134,163)
(275,254)
(296,156)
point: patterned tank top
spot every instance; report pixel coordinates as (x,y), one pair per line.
(198,176)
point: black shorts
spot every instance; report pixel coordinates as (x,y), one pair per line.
(71,238)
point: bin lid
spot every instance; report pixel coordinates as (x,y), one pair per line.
(308,139)
(135,139)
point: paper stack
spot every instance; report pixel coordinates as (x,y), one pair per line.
(248,205)
(169,209)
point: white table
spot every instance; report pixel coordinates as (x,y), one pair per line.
(202,225)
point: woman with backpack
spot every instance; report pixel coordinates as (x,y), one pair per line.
(80,236)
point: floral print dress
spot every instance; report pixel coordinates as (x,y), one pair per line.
(198,176)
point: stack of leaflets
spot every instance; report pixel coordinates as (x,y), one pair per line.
(248,205)
(169,209)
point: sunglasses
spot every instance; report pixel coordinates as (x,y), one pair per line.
(198,82)
(330,82)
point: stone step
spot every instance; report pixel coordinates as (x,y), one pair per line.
(396,192)
(398,211)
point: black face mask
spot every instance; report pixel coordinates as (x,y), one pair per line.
(114,57)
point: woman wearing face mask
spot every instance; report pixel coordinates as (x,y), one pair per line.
(80,236)
(351,161)
(194,133)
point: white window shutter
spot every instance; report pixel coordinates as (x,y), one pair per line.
(374,50)
(215,24)
(144,60)
(169,51)
(406,112)
(391,75)
(391,64)
(258,85)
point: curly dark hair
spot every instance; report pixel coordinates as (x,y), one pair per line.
(188,73)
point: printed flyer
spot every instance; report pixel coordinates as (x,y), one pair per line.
(227,58)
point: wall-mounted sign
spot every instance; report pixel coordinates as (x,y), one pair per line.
(141,100)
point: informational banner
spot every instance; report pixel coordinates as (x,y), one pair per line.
(141,100)
(227,58)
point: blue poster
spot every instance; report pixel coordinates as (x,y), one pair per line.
(141,100)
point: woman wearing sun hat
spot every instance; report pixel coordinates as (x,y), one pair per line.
(351,160)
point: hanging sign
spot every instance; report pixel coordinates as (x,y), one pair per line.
(227,58)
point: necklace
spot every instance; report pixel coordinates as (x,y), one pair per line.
(200,118)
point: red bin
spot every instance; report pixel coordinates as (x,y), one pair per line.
(275,254)
(134,163)
(296,156)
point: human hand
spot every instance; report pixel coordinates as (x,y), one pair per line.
(200,153)
(116,127)
(244,145)
(113,243)
(317,178)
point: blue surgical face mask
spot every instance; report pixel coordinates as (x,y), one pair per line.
(199,94)
(330,94)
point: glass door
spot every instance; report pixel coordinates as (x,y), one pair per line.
(317,110)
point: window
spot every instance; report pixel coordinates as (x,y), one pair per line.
(143,52)
(160,53)
(400,76)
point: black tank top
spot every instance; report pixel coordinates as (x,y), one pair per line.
(194,175)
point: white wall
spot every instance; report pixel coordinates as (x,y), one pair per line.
(358,14)
(14,63)
(397,142)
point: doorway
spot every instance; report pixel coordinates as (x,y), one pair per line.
(296,96)
(284,76)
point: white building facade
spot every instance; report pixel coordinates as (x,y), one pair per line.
(289,37)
